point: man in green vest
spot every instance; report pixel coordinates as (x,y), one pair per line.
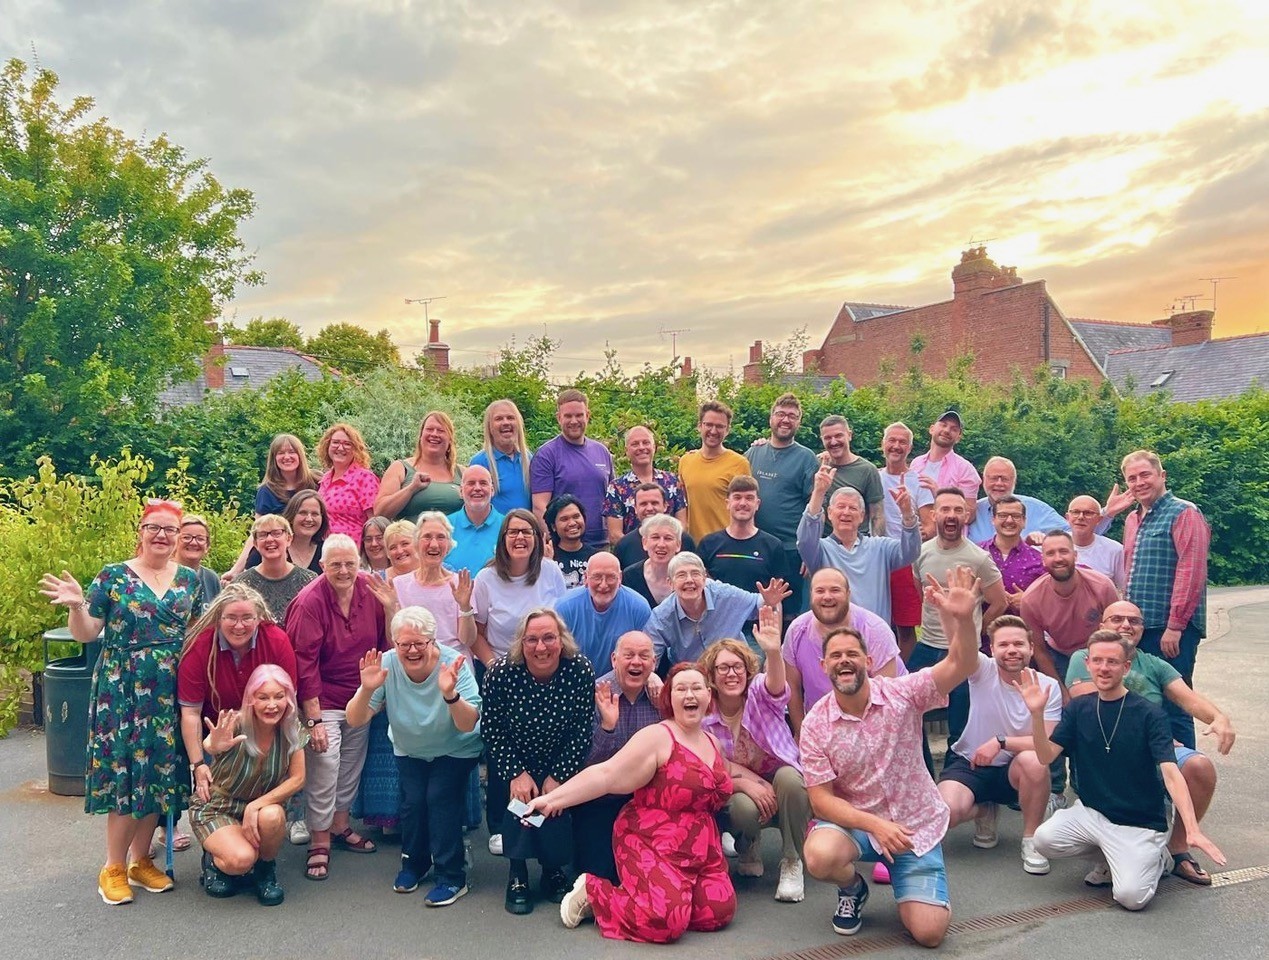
(1166,541)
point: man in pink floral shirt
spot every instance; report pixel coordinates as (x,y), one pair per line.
(869,788)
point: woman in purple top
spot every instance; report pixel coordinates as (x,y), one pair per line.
(747,718)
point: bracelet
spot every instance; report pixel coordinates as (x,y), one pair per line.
(457,697)
(310,723)
(467,613)
(197,764)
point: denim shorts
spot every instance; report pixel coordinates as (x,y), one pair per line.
(1183,754)
(920,879)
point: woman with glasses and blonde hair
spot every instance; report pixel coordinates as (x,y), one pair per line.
(427,481)
(348,487)
(136,769)
(257,765)
(433,710)
(505,454)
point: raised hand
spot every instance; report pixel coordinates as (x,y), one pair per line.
(767,632)
(960,597)
(1033,695)
(63,591)
(373,674)
(447,677)
(823,479)
(903,499)
(220,735)
(461,588)
(384,592)
(1118,501)
(607,705)
(774,592)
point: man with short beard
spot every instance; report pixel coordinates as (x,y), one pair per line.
(851,470)
(1092,550)
(706,472)
(942,466)
(994,761)
(870,792)
(620,514)
(571,462)
(804,642)
(1000,478)
(476,525)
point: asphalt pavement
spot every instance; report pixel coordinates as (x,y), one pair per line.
(51,852)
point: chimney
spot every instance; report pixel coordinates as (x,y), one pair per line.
(752,372)
(1190,328)
(811,360)
(436,353)
(978,273)
(214,363)
(685,372)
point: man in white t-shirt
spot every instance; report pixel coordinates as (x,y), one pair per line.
(994,761)
(1092,550)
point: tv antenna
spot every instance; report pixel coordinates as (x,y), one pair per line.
(1186,301)
(674,338)
(425,301)
(1214,281)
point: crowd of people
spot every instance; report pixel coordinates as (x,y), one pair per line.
(639,673)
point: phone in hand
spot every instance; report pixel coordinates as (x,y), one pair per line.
(522,812)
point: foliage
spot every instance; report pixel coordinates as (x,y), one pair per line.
(351,349)
(113,255)
(259,332)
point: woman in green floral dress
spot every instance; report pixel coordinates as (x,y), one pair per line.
(137,768)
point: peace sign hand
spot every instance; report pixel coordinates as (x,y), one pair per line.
(220,735)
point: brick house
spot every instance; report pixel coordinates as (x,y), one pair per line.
(1009,325)
(227,369)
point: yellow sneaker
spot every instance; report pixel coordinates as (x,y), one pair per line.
(144,874)
(112,884)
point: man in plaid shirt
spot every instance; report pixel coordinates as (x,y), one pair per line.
(1165,555)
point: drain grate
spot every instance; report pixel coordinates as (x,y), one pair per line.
(1050,911)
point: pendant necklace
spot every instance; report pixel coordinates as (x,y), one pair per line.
(1113,730)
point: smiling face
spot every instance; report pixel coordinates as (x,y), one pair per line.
(830,597)
(633,661)
(573,418)
(340,449)
(742,505)
(570,524)
(603,579)
(661,544)
(372,541)
(476,487)
(713,428)
(999,479)
(504,427)
(1125,619)
(192,544)
(896,445)
(433,543)
(1008,519)
(238,622)
(542,647)
(846,664)
(308,518)
(1083,514)
(1107,666)
(845,513)
(271,542)
(340,568)
(731,678)
(648,503)
(1011,649)
(835,439)
(270,703)
(401,553)
(287,459)
(160,532)
(415,649)
(434,439)
(1058,557)
(784,423)
(688,583)
(689,697)
(640,448)
(949,516)
(945,433)
(1145,481)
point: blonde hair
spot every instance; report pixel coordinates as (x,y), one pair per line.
(490,449)
(451,454)
(568,645)
(210,620)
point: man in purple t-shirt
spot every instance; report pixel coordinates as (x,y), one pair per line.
(572,463)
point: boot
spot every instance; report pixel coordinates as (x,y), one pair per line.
(216,883)
(268,890)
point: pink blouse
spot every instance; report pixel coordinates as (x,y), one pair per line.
(350,500)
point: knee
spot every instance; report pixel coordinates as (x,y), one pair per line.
(1200,774)
(238,860)
(271,818)
(1030,769)
(1132,898)
(929,932)
(819,859)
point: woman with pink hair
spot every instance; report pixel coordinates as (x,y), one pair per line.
(257,765)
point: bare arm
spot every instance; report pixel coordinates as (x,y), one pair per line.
(629,769)
(797,704)
(1199,707)
(826,805)
(615,532)
(394,492)
(1180,794)
(956,603)
(540,501)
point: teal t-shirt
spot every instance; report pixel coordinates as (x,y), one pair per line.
(785,476)
(1148,677)
(419,723)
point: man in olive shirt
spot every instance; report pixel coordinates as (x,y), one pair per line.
(852,470)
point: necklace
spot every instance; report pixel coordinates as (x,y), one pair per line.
(1105,739)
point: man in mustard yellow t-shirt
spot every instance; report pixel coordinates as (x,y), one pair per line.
(705,473)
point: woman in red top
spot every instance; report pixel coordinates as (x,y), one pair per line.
(222,648)
(349,487)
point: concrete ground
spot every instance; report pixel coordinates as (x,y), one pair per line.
(51,853)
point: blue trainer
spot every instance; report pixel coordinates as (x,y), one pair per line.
(443,894)
(407,881)
(850,902)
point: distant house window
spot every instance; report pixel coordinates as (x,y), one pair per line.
(241,372)
(1161,379)
(1058,370)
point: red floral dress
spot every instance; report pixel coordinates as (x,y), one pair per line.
(669,855)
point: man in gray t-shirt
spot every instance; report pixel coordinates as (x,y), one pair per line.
(852,470)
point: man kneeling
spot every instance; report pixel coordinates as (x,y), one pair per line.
(1120,743)
(994,761)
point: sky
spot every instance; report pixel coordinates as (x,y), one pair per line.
(610,172)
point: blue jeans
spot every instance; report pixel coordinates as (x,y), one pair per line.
(1182,723)
(921,879)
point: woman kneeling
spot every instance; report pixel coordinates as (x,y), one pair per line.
(257,765)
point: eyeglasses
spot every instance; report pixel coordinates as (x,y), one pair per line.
(729,668)
(1082,513)
(194,540)
(414,644)
(1016,517)
(340,444)
(786,416)
(1131,621)
(270,534)
(240,621)
(1105,662)
(547,641)
(154,529)
(339,564)
(520,534)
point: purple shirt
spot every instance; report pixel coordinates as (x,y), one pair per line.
(1023,567)
(584,470)
(329,645)
(763,720)
(804,649)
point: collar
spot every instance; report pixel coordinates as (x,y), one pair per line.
(223,645)
(513,457)
(876,698)
(709,605)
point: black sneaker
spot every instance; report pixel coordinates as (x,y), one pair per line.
(518,899)
(268,890)
(555,883)
(850,902)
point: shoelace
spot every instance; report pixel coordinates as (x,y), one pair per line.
(848,905)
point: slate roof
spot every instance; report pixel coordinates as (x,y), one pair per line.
(1102,337)
(1202,371)
(867,311)
(245,368)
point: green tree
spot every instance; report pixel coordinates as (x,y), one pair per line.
(114,255)
(259,332)
(349,348)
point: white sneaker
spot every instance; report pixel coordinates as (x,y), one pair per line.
(1057,801)
(729,845)
(575,907)
(1099,876)
(750,863)
(495,844)
(791,888)
(985,835)
(1032,861)
(298,833)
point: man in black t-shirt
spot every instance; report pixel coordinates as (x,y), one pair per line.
(1121,746)
(740,553)
(649,500)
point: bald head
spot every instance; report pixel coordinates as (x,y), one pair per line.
(633,661)
(1083,514)
(476,487)
(1124,617)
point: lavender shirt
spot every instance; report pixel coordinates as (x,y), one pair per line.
(763,720)
(584,470)
(804,649)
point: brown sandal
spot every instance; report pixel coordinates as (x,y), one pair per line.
(318,866)
(345,841)
(1188,869)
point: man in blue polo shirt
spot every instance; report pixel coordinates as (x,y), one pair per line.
(476,524)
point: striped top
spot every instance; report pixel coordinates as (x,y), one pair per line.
(237,775)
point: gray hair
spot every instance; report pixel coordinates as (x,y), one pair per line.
(847,491)
(661,520)
(434,516)
(685,558)
(339,541)
(420,618)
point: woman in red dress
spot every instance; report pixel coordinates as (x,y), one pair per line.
(668,851)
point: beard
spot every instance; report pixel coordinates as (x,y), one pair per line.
(848,685)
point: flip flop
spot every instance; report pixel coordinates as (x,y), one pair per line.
(1190,870)
(345,841)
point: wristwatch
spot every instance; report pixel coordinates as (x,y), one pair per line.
(310,724)
(1001,741)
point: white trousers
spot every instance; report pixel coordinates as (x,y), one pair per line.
(332,777)
(1137,856)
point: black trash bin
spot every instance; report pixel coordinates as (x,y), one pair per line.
(67,686)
